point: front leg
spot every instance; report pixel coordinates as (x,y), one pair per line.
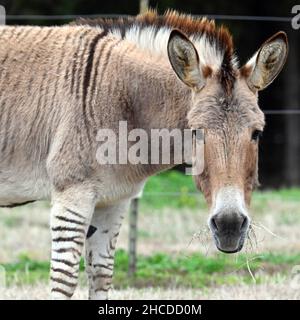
(100,248)
(70,217)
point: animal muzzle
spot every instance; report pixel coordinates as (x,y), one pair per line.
(229,221)
(229,230)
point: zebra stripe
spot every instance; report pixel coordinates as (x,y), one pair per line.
(65,272)
(87,76)
(76,214)
(68,229)
(66,262)
(58,69)
(64,292)
(61,281)
(99,265)
(67,250)
(97,63)
(68,239)
(70,220)
(74,62)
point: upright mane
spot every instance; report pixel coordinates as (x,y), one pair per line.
(151,31)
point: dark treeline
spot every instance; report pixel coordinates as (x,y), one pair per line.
(280,145)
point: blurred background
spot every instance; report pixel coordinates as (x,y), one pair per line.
(251,23)
(171,254)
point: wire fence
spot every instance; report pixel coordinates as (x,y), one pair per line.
(115,16)
(176,194)
(257,195)
(282,111)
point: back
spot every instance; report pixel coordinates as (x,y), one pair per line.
(41,68)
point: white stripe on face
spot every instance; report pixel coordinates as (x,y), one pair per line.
(229,199)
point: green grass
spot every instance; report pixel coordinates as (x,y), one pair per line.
(164,270)
(177,190)
(171,189)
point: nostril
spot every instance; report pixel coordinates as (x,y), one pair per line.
(244,224)
(214,224)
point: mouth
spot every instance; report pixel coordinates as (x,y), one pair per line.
(232,249)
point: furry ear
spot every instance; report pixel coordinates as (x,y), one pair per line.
(267,62)
(184,59)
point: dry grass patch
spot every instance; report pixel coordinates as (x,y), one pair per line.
(240,292)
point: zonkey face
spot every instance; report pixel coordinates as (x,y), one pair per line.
(225,106)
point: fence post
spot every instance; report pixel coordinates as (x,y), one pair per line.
(2,15)
(133,230)
(144,4)
(133,216)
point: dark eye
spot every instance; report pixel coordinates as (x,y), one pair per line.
(256,134)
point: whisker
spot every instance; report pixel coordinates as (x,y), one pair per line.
(254,235)
(202,235)
(249,269)
(261,226)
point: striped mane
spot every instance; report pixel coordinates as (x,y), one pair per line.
(151,32)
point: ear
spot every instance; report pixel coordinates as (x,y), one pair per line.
(184,59)
(267,63)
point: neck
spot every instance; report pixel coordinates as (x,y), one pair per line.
(157,97)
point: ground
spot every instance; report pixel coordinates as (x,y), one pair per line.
(240,292)
(177,258)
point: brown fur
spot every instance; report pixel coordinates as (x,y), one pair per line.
(228,121)
(245,71)
(207,71)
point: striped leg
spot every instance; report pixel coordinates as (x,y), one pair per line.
(100,248)
(69,224)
